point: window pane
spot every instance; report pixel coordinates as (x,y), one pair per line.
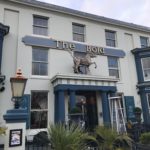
(144,42)
(40,55)
(43,69)
(40,31)
(113,72)
(39,61)
(40,25)
(35,68)
(38,119)
(39,100)
(146,63)
(78,37)
(78,32)
(112,62)
(110,38)
(147,74)
(40,21)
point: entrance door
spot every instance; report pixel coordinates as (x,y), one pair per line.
(90,108)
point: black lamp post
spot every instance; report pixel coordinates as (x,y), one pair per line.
(18,84)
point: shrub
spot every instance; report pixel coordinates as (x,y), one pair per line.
(145,138)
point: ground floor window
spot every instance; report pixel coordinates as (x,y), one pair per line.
(39,109)
(148,100)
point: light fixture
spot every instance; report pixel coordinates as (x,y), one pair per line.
(18,84)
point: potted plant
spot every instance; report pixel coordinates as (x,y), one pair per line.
(137,112)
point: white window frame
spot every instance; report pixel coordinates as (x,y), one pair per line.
(40,110)
(115,40)
(43,62)
(40,26)
(77,33)
(144,69)
(114,68)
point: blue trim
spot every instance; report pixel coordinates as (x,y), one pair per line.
(25,104)
(72,99)
(144,104)
(85,88)
(56,104)
(51,43)
(106,110)
(15,115)
(130,105)
(61,106)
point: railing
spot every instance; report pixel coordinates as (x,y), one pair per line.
(34,146)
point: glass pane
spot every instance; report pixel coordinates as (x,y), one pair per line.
(40,21)
(40,31)
(146,62)
(38,119)
(114,72)
(147,74)
(35,68)
(39,100)
(43,69)
(78,29)
(40,55)
(144,42)
(78,37)
(112,62)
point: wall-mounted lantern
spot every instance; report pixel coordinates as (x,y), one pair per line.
(18,84)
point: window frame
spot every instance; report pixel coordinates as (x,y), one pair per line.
(110,39)
(143,70)
(41,62)
(147,41)
(39,110)
(78,33)
(40,26)
(114,68)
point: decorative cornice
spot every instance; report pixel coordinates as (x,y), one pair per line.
(59,9)
(76,79)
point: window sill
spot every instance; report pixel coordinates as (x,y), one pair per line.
(39,77)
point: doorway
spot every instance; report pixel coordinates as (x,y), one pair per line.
(86,100)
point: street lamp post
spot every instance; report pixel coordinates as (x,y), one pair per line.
(18,84)
(16,118)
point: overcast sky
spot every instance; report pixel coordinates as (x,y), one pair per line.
(134,11)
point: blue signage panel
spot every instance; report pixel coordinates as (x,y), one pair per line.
(78,47)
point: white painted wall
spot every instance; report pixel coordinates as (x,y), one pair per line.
(17,55)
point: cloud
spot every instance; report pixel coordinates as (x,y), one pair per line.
(135,11)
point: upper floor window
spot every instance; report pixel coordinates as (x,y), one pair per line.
(39,61)
(113,66)
(146,67)
(39,109)
(78,32)
(40,25)
(110,38)
(144,41)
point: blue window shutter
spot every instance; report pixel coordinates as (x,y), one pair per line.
(129,104)
(25,104)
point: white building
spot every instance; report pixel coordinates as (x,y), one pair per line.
(40,39)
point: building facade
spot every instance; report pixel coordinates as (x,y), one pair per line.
(45,41)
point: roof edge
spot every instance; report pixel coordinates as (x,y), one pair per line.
(93,17)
